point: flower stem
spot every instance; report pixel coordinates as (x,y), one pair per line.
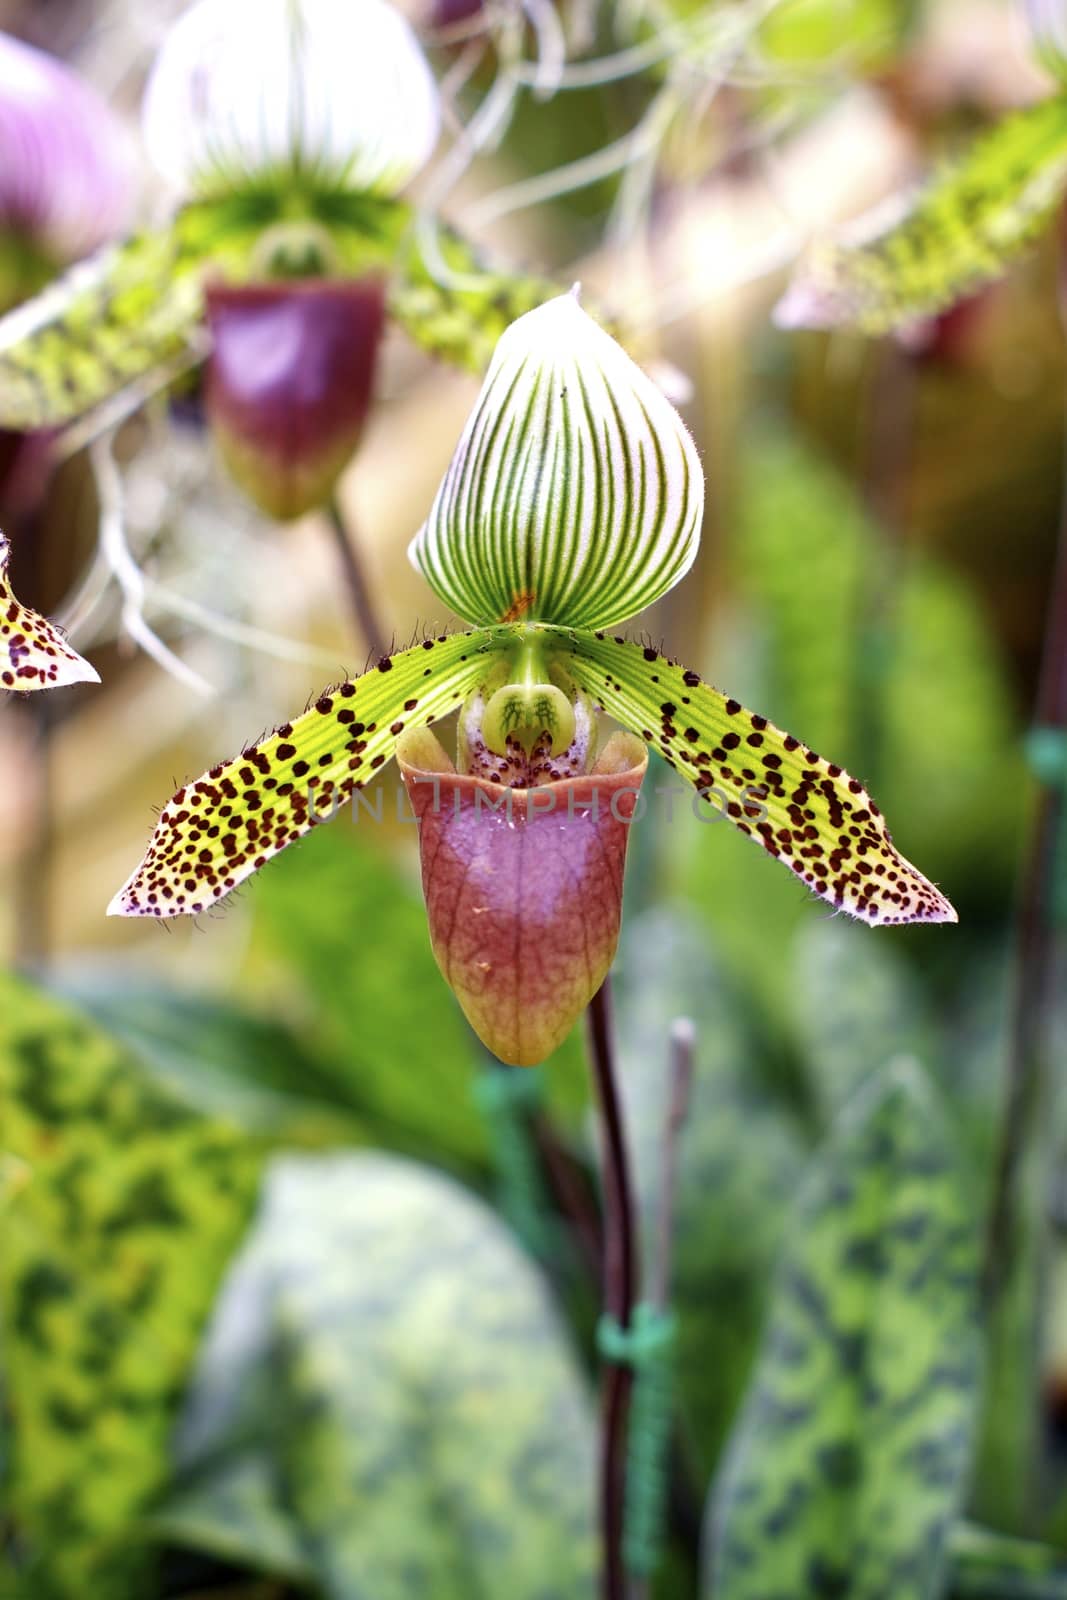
(1034,957)
(363,610)
(618,1291)
(1035,952)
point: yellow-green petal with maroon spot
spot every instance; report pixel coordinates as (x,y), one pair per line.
(806,812)
(220,829)
(123,323)
(33,652)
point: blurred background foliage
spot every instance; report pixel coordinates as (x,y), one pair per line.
(291,1303)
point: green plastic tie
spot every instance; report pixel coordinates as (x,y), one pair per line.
(647,1346)
(504,1089)
(505,1096)
(1046,751)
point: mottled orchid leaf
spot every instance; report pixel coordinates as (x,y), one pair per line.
(123,321)
(575,494)
(962,231)
(119,1206)
(386,1401)
(740,1157)
(459,311)
(855,1005)
(805,811)
(847,1465)
(221,828)
(986,1564)
(33,651)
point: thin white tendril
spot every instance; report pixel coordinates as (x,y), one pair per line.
(551,47)
(606,69)
(127,574)
(235,632)
(116,561)
(603,163)
(483,132)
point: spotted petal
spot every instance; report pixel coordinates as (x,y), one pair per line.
(33,652)
(806,812)
(124,320)
(460,313)
(217,831)
(575,494)
(962,231)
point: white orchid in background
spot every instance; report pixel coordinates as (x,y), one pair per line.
(287,129)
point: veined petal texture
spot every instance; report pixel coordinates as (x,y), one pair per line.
(336,90)
(575,495)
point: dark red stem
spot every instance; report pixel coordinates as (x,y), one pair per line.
(1036,941)
(618,1292)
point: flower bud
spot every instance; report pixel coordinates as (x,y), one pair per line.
(337,92)
(523,887)
(289,383)
(66,176)
(575,495)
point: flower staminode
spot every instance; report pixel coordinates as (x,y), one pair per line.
(576,486)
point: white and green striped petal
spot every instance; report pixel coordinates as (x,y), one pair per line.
(575,495)
(218,830)
(805,811)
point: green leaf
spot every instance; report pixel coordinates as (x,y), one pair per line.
(227,824)
(964,230)
(459,309)
(222,1058)
(575,494)
(352,929)
(988,1565)
(33,652)
(805,558)
(851,644)
(386,1397)
(124,321)
(856,1007)
(805,811)
(119,1206)
(852,1451)
(739,1160)
(942,655)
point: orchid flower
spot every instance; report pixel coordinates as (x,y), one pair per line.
(65,179)
(573,501)
(287,129)
(33,652)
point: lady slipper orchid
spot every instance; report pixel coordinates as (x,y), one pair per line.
(574,498)
(288,129)
(33,652)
